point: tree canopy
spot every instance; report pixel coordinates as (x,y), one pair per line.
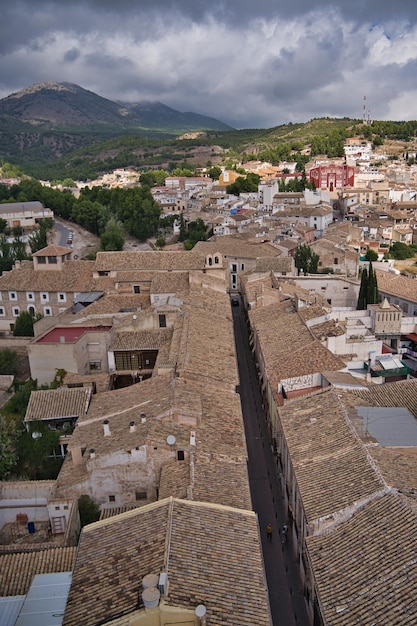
(306,259)
(368,290)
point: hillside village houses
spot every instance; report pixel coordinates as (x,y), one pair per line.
(152,429)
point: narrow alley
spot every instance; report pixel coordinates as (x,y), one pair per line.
(284,584)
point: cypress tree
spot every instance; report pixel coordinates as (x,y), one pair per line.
(368,290)
(363,290)
(372,291)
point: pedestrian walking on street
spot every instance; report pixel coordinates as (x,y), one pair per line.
(269,532)
(284,533)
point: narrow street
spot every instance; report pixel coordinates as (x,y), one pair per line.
(282,572)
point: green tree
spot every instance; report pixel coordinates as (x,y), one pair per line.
(139,212)
(160,241)
(363,290)
(87,214)
(371,255)
(9,362)
(372,287)
(306,259)
(112,238)
(88,509)
(36,450)
(39,238)
(214,172)
(23,326)
(18,403)
(8,454)
(368,290)
(248,184)
(401,251)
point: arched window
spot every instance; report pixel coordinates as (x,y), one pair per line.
(216,260)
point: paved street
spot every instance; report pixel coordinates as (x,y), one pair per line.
(286,598)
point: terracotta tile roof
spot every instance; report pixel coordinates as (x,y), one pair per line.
(177,283)
(75,276)
(199,546)
(53,250)
(18,569)
(399,468)
(100,379)
(235,247)
(398,394)
(281,264)
(397,285)
(54,403)
(114,304)
(324,450)
(140,340)
(288,347)
(365,569)
(148,260)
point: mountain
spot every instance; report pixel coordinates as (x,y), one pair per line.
(53,106)
(49,122)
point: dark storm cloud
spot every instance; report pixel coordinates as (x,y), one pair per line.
(247,63)
(71,55)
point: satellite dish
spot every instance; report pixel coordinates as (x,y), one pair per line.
(36,435)
(200,610)
(171,440)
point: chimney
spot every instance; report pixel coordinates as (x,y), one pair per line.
(106,428)
(92,453)
(143,417)
(132,427)
(76,455)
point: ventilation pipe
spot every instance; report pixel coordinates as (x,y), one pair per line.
(106,428)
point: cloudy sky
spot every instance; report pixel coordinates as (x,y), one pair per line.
(250,63)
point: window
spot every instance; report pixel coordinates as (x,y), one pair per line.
(210,261)
(180,455)
(47,310)
(62,297)
(242,267)
(162,321)
(136,289)
(30,296)
(141,495)
(15,311)
(2,311)
(41,260)
(44,296)
(234,267)
(31,310)
(216,260)
(52,260)
(112,498)
(95,365)
(12,295)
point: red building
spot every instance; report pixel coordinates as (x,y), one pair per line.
(332,176)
